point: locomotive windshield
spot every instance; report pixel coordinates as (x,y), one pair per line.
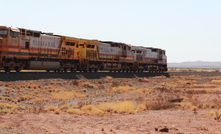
(13,34)
(4,32)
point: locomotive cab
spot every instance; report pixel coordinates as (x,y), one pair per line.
(9,39)
(9,36)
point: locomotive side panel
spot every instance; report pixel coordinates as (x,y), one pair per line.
(42,51)
(106,52)
(150,56)
(44,47)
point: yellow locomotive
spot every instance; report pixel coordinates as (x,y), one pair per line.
(24,49)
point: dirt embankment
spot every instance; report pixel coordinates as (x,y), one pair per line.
(179,104)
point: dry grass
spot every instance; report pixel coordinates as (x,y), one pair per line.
(120,107)
(218,82)
(89,85)
(189,105)
(121,89)
(92,110)
(203,85)
(215,114)
(108,77)
(141,107)
(9,108)
(108,95)
(75,111)
(65,106)
(63,95)
(144,80)
(52,108)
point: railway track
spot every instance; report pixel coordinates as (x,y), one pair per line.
(13,76)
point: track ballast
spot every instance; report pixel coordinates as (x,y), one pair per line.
(14,76)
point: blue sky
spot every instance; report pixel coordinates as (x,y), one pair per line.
(188,30)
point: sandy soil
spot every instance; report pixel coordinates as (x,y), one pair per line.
(197,113)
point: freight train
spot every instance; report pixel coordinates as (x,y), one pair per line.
(24,49)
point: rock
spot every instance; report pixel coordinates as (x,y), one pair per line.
(164,130)
(176,100)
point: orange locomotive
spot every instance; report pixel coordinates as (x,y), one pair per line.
(33,50)
(23,49)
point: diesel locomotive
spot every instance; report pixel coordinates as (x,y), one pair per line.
(24,49)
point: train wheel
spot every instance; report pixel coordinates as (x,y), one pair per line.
(7,70)
(72,70)
(90,69)
(65,70)
(95,70)
(17,69)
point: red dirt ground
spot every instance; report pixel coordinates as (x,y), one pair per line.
(180,119)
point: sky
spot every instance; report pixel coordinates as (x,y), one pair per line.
(189,30)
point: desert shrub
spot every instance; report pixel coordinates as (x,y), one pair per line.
(52,108)
(4,111)
(89,85)
(141,107)
(121,89)
(13,109)
(37,108)
(75,111)
(65,106)
(57,112)
(109,77)
(75,82)
(203,86)
(8,99)
(157,77)
(92,110)
(158,104)
(39,99)
(215,114)
(216,81)
(206,105)
(63,95)
(144,80)
(120,107)
(23,98)
(189,105)
(151,105)
(196,91)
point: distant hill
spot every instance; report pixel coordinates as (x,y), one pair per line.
(195,64)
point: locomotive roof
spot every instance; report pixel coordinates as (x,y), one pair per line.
(154,48)
(14,29)
(119,43)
